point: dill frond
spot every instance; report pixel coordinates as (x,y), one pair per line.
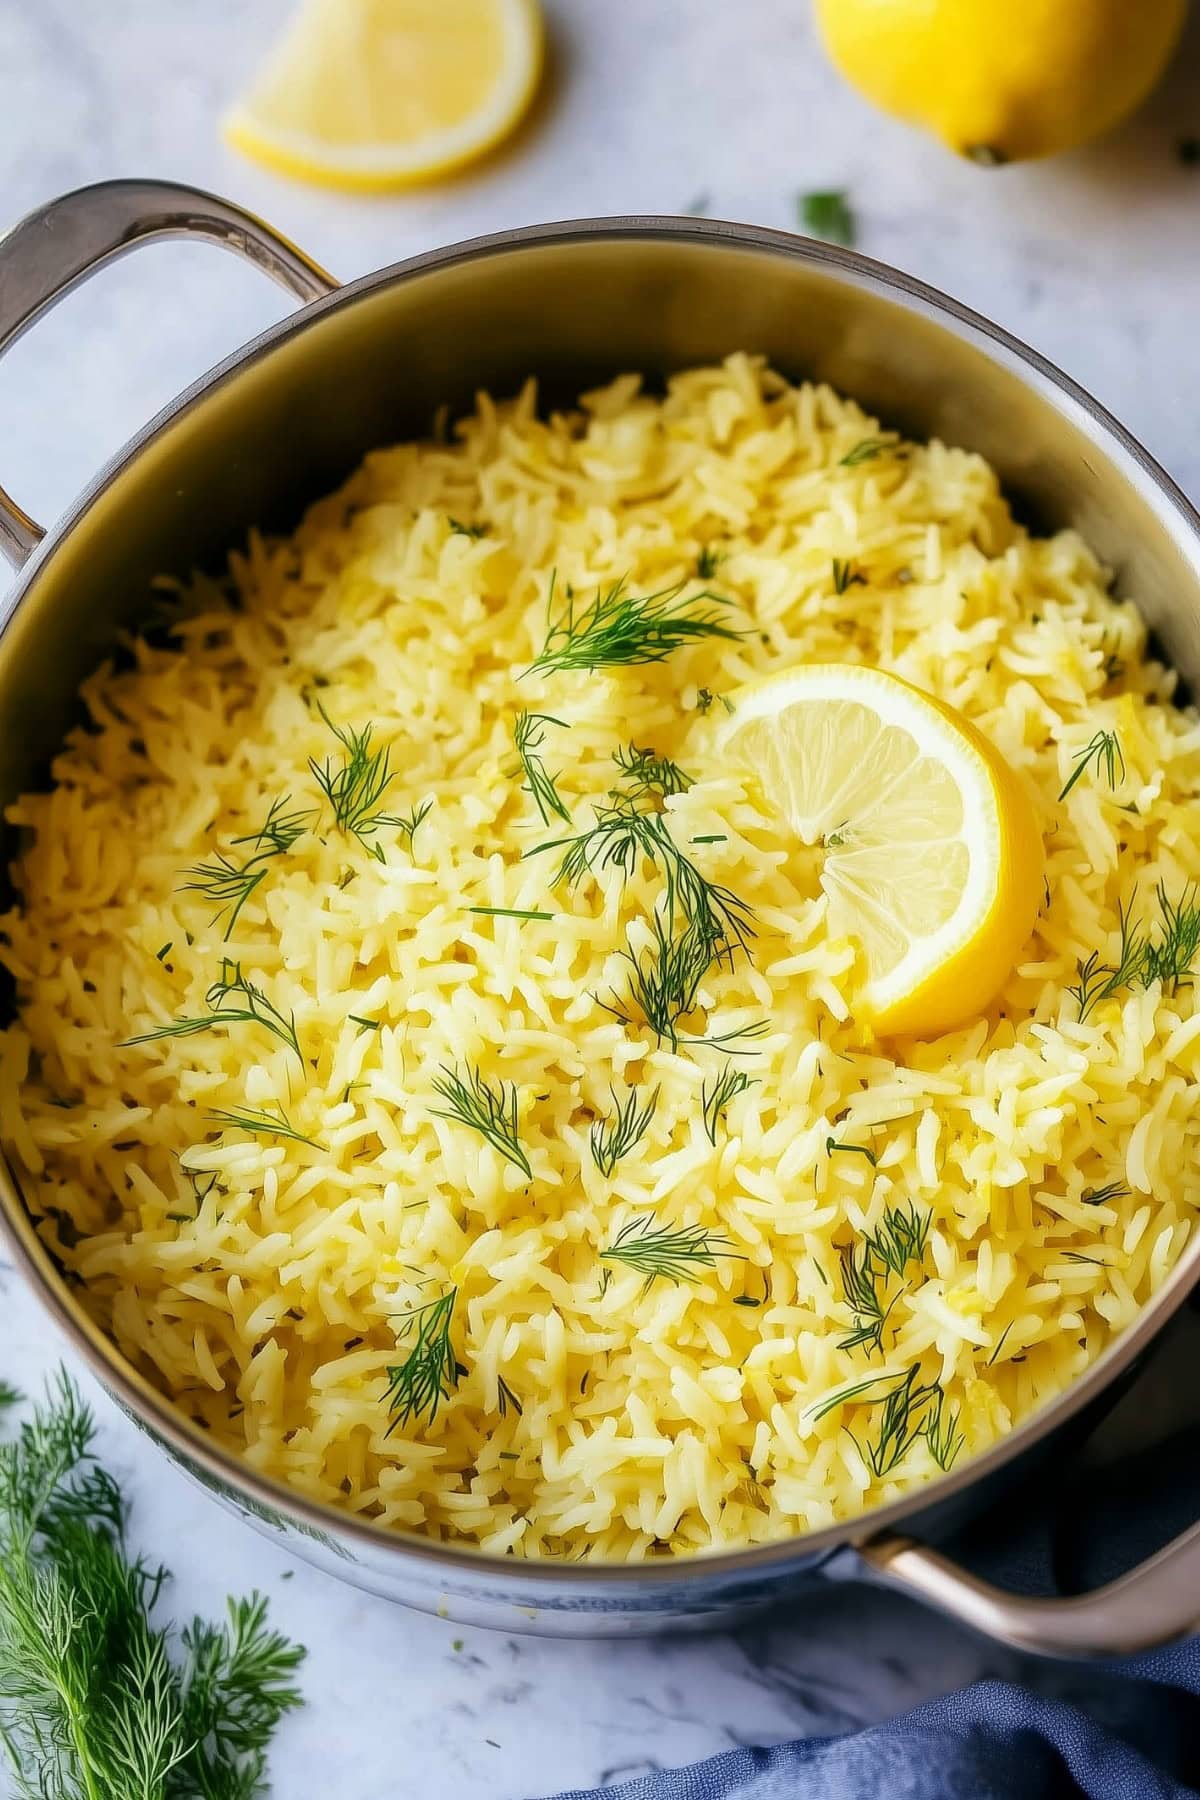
(492,1113)
(280,829)
(1165,952)
(900,1237)
(458,529)
(233,998)
(261,1124)
(942,1433)
(614,1137)
(95,1701)
(645,772)
(708,562)
(619,629)
(716,1097)
(529,731)
(428,1373)
(229,883)
(661,1252)
(355,788)
(860,1290)
(1105,751)
(845,575)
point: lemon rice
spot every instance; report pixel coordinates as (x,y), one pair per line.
(281,1216)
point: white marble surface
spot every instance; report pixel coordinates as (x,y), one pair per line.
(1094,259)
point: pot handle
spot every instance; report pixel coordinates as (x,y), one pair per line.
(1152,1604)
(55,248)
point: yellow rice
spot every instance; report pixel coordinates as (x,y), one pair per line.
(683,1416)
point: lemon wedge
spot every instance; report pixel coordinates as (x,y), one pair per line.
(378,93)
(932,859)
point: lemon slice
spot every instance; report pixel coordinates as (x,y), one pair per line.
(932,859)
(377,93)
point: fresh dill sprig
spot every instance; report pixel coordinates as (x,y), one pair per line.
(1100,1196)
(1144,957)
(833,1148)
(429,1371)
(1104,750)
(645,772)
(860,1290)
(529,733)
(619,628)
(355,788)
(264,1124)
(231,882)
(228,883)
(613,1137)
(233,998)
(621,835)
(826,213)
(845,575)
(663,987)
(900,1237)
(897,1240)
(280,829)
(674,1254)
(97,1701)
(490,1112)
(716,1097)
(942,1433)
(866,450)
(905,1410)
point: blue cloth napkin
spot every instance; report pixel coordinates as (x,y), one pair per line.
(1128,1731)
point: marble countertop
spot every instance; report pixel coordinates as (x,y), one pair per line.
(1094,259)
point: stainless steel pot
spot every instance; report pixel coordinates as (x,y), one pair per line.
(280,423)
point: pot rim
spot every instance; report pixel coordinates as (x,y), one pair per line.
(135,1393)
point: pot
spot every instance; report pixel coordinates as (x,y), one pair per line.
(282,422)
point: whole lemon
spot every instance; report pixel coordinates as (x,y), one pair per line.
(1002,79)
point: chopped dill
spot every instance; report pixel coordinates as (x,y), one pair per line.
(508,1400)
(509,912)
(619,628)
(845,575)
(705,698)
(708,562)
(354,790)
(1104,750)
(529,732)
(160,955)
(645,772)
(712,837)
(458,529)
(715,1099)
(866,450)
(429,1371)
(833,1148)
(233,998)
(942,1433)
(614,1137)
(1100,1196)
(999,1345)
(265,1124)
(826,213)
(364,1024)
(471,1102)
(659,1251)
